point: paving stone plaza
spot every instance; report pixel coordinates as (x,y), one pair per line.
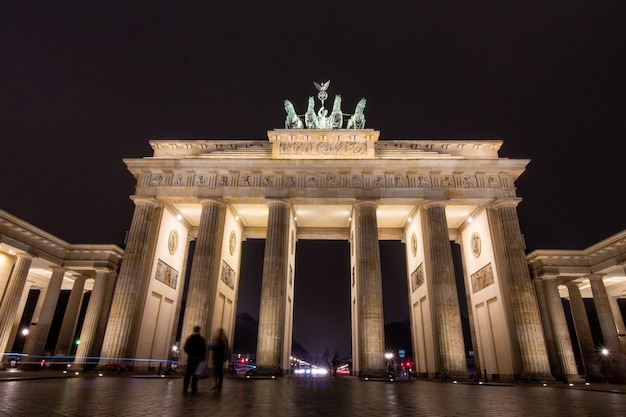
(91,395)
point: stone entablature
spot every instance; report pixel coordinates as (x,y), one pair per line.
(327,144)
(28,239)
(603,255)
(330,179)
(291,160)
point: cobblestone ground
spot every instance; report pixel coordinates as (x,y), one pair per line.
(292,396)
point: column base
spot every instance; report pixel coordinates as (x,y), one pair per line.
(571,379)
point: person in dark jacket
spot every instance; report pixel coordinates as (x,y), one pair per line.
(195,348)
(220,354)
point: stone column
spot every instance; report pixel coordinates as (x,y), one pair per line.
(90,323)
(445,304)
(370,291)
(10,303)
(36,341)
(68,326)
(555,363)
(204,270)
(560,331)
(273,289)
(128,283)
(619,321)
(615,357)
(103,316)
(523,302)
(583,332)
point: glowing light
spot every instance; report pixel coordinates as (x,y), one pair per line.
(25,332)
(410,219)
(470,219)
(179,216)
(237,218)
(100,374)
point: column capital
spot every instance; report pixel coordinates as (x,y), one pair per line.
(595,277)
(370,203)
(78,277)
(506,202)
(433,203)
(206,201)
(278,202)
(102,270)
(144,200)
(548,277)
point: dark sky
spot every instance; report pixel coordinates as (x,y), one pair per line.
(85,84)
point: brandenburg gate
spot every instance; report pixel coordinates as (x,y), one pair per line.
(319,179)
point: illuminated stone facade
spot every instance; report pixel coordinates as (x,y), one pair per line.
(323,184)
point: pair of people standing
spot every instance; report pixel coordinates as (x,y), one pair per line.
(196,349)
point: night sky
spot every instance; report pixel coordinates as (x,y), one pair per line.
(85,84)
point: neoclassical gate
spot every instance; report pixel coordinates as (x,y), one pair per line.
(330,184)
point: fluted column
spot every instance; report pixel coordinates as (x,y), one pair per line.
(555,363)
(370,291)
(609,330)
(128,284)
(445,304)
(11,301)
(273,289)
(103,316)
(36,341)
(560,331)
(68,326)
(90,323)
(524,306)
(204,269)
(583,332)
(619,321)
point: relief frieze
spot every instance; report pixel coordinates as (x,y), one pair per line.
(324,180)
(417,277)
(482,278)
(228,275)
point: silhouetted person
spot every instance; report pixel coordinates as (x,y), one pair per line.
(195,348)
(335,364)
(220,351)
